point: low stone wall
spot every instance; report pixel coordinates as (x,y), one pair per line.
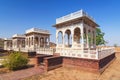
(79,63)
(53,62)
(39,59)
(2,50)
(88,64)
(31,54)
(103,62)
(92,65)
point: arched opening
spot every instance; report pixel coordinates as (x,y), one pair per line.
(47,41)
(89,38)
(36,41)
(41,42)
(26,41)
(77,34)
(10,43)
(85,36)
(67,38)
(32,40)
(60,37)
(7,43)
(18,43)
(29,42)
(23,43)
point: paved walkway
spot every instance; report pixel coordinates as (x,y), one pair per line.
(17,75)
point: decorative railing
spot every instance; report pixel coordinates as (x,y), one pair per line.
(8,48)
(48,51)
(74,45)
(89,54)
(18,35)
(77,45)
(59,45)
(71,16)
(78,53)
(37,30)
(99,53)
(24,50)
(104,52)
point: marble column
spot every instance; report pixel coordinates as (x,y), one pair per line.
(82,35)
(91,34)
(63,40)
(48,41)
(94,38)
(87,38)
(72,34)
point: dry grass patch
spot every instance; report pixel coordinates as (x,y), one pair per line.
(111,73)
(65,74)
(4,70)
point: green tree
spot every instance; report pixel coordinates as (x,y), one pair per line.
(100,37)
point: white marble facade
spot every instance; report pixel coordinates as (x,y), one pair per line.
(33,39)
(37,38)
(76,30)
(7,44)
(18,42)
(76,36)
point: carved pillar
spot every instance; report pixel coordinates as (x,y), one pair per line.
(17,43)
(91,42)
(44,42)
(72,34)
(33,42)
(48,41)
(82,35)
(87,38)
(63,39)
(95,38)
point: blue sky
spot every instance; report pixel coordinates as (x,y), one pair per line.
(18,15)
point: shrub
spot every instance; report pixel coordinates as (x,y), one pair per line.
(15,61)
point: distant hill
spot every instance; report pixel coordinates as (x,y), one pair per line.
(1,43)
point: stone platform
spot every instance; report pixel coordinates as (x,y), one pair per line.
(91,65)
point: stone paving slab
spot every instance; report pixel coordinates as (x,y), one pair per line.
(17,75)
